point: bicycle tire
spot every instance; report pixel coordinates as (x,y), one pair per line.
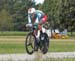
(44,44)
(28,50)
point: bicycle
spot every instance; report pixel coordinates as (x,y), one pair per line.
(32,44)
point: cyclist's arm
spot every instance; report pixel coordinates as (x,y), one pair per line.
(29,22)
(29,19)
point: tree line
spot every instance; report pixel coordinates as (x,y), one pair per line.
(13,14)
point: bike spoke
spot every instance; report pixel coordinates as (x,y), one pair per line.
(30,44)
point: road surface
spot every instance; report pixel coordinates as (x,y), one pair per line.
(26,57)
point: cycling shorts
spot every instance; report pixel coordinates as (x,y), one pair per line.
(44,19)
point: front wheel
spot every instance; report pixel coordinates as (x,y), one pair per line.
(29,43)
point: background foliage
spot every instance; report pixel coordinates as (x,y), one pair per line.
(13,14)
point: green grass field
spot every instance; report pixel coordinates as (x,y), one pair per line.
(65,59)
(20,33)
(13,33)
(16,44)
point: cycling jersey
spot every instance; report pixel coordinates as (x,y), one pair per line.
(38,15)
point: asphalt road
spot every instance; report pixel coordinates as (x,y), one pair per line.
(26,57)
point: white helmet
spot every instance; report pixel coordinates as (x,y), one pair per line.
(31,10)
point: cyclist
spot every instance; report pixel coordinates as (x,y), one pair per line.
(37,17)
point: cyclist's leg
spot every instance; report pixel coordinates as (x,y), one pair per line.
(36,45)
(42,22)
(36,40)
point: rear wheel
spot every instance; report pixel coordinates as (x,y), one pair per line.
(44,43)
(29,43)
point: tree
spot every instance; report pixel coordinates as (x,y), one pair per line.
(61,13)
(6,22)
(67,14)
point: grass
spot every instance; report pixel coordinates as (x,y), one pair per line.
(15,44)
(20,33)
(62,45)
(65,59)
(73,33)
(11,48)
(12,44)
(13,33)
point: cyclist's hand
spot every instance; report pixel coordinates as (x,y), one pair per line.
(29,25)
